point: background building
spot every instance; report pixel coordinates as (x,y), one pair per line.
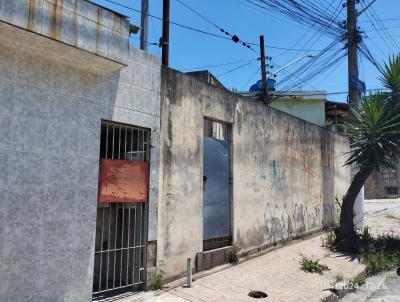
(383,183)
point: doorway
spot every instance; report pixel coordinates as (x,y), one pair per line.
(216,185)
(121,224)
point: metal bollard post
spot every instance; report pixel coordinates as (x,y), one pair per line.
(189,272)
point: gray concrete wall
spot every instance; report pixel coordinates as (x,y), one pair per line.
(286,172)
(50,120)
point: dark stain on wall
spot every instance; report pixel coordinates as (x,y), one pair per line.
(310,147)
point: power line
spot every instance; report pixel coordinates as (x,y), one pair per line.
(171,22)
(218,65)
(368,37)
(209,33)
(234,69)
(374,15)
(306,12)
(292,49)
(234,38)
(335,15)
(382,20)
(251,78)
(327,93)
(386,36)
(200,15)
(386,28)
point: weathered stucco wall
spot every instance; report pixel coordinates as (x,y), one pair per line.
(286,172)
(50,121)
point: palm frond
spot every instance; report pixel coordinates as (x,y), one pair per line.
(374,132)
(390,74)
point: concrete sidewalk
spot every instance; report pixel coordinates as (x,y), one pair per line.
(384,287)
(382,216)
(276,273)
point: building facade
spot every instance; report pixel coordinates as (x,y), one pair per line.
(67,75)
(383,184)
(307,105)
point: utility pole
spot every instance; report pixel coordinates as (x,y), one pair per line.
(263,68)
(352,45)
(145,25)
(165,36)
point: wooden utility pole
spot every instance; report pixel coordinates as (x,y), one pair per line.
(352,45)
(263,67)
(144,24)
(165,37)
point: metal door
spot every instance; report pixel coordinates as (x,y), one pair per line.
(216,186)
(121,227)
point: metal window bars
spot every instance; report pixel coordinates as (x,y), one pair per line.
(121,228)
(124,142)
(120,252)
(216,130)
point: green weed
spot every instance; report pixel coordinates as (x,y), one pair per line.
(381,253)
(357,281)
(158,281)
(232,254)
(329,239)
(311,266)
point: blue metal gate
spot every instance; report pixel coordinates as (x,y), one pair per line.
(216,186)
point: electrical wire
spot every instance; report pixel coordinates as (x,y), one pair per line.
(387,34)
(218,65)
(305,12)
(203,31)
(234,38)
(258,70)
(234,69)
(380,32)
(171,22)
(320,18)
(317,66)
(327,93)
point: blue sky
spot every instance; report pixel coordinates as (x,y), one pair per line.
(189,50)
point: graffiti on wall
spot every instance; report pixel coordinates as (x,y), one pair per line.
(282,223)
(257,182)
(332,213)
(278,223)
(277,176)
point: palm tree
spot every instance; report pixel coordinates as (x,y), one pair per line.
(374,133)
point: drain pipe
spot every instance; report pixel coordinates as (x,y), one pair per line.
(189,272)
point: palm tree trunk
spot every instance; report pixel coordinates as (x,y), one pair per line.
(346,237)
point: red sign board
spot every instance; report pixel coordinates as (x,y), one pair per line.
(123,181)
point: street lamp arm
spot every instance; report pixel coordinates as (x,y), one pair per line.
(290,64)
